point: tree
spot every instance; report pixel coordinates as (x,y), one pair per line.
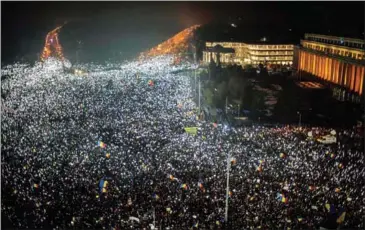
(222,89)
(258,100)
(221,94)
(212,68)
(248,66)
(208,95)
(236,87)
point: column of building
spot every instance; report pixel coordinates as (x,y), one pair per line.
(347,75)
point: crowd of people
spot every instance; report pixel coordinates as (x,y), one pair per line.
(107,150)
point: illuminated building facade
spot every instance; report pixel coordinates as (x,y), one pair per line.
(252,53)
(219,55)
(340,61)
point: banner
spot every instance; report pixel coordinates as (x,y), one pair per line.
(191,130)
(328,139)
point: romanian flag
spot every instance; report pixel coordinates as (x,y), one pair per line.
(311,188)
(191,130)
(330,208)
(101,144)
(332,155)
(284,199)
(282,155)
(230,193)
(150,83)
(102,185)
(200,185)
(233,161)
(35,186)
(172,177)
(259,168)
(155,196)
(184,186)
(340,165)
(281,197)
(196,225)
(341,218)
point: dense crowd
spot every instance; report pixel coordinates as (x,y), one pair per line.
(107,149)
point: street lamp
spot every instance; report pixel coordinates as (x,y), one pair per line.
(227,129)
(300,118)
(227,187)
(199,95)
(239,109)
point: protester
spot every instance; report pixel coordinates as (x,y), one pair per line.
(107,149)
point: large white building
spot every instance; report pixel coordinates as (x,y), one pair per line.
(253,53)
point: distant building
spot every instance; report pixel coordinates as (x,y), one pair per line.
(260,52)
(336,60)
(219,54)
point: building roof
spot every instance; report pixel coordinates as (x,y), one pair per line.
(220,49)
(332,37)
(267,41)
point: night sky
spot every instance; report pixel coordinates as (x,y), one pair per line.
(123,29)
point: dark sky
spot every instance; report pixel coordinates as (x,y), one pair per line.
(110,28)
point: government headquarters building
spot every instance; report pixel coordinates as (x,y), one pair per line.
(334,60)
(254,53)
